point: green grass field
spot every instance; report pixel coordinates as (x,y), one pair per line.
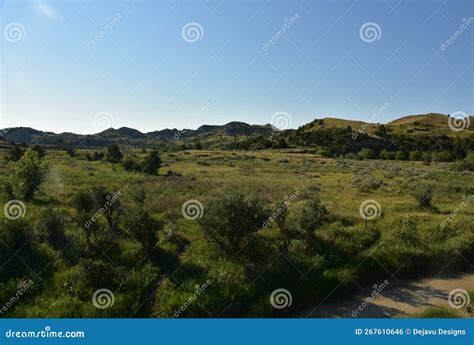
(192,277)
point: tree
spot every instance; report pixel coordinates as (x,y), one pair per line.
(152,163)
(28,174)
(114,155)
(14,153)
(230,220)
(39,149)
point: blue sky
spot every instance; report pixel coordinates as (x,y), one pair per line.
(144,74)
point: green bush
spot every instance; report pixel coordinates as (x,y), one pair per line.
(423,193)
(415,156)
(152,163)
(14,153)
(39,149)
(28,175)
(114,155)
(366,154)
(231,219)
(130,164)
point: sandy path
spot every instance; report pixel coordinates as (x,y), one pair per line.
(397,299)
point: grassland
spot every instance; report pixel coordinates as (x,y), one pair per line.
(192,277)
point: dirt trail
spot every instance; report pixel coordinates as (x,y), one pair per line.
(401,298)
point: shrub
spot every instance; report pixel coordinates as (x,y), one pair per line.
(96,156)
(365,182)
(388,155)
(130,164)
(311,217)
(114,155)
(439,313)
(97,202)
(400,156)
(423,193)
(14,153)
(414,156)
(39,149)
(71,152)
(366,154)
(29,173)
(139,224)
(230,220)
(467,164)
(443,156)
(426,157)
(152,163)
(51,226)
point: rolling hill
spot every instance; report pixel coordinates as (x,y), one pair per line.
(432,124)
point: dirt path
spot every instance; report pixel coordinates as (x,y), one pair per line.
(398,299)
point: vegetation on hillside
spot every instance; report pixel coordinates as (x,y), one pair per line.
(213,233)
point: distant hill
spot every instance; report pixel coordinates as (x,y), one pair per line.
(434,124)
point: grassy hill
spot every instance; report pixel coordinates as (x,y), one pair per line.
(234,133)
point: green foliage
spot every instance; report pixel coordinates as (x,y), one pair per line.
(366,153)
(114,155)
(130,164)
(39,149)
(313,216)
(415,156)
(400,156)
(96,156)
(51,227)
(152,163)
(99,201)
(230,220)
(28,175)
(438,313)
(14,153)
(423,193)
(139,224)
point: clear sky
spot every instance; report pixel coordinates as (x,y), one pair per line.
(69,60)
